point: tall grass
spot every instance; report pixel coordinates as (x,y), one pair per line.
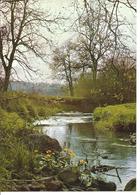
(17,112)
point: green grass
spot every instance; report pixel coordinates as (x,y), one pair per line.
(28,106)
(116,118)
(31,106)
(19,110)
(10,122)
(17,113)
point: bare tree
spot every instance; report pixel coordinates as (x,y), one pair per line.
(65,64)
(128,3)
(96,37)
(22,30)
(1,77)
(99,27)
(117,79)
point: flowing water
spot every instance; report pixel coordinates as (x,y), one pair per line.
(75,130)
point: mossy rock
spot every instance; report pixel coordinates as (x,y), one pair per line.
(131,185)
(104,186)
(42,143)
(69,175)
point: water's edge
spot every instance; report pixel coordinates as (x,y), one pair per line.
(75,130)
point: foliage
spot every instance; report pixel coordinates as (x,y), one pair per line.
(118,117)
(21,157)
(16,161)
(10,122)
(17,112)
(55,160)
(84,86)
(28,106)
(115,83)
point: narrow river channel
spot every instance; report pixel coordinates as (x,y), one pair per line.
(75,130)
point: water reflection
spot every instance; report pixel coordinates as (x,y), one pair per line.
(77,133)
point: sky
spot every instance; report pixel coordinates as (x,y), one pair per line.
(55,7)
(65,8)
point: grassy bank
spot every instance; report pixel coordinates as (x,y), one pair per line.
(116,118)
(33,105)
(28,106)
(17,113)
(21,159)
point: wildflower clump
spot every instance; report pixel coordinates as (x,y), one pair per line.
(82,162)
(53,163)
(68,153)
(56,160)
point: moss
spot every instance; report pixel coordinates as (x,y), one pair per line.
(117,117)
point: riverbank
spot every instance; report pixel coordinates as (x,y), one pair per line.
(32,105)
(20,139)
(120,117)
(32,161)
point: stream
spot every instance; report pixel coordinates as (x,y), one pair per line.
(75,130)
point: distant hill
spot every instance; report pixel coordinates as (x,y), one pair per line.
(43,88)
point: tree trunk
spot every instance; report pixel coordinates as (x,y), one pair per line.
(6,79)
(94,76)
(71,91)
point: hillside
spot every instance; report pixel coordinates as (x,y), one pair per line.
(42,88)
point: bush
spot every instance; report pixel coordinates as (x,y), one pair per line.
(118,117)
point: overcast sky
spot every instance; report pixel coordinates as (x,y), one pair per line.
(65,8)
(55,7)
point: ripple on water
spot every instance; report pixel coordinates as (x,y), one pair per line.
(75,130)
